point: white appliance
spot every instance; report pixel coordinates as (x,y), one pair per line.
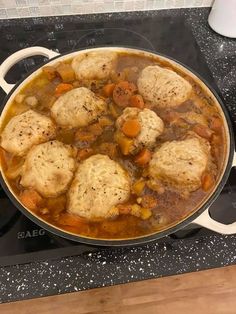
(222,18)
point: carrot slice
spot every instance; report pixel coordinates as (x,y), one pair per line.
(131,128)
(122,93)
(143,157)
(62,88)
(108,89)
(30,199)
(207,181)
(137,101)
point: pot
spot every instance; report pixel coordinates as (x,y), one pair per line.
(199,217)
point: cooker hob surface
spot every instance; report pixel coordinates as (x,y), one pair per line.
(22,241)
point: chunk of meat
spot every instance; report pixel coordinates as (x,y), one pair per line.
(84,153)
(122,93)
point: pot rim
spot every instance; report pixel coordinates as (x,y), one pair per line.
(141,239)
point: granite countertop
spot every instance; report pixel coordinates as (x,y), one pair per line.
(122,265)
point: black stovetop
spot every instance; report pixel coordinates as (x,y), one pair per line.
(21,240)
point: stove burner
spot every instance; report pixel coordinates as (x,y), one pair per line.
(224,208)
(95,38)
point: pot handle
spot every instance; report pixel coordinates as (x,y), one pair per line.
(18,56)
(206,221)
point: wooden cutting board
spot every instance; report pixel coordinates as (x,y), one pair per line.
(206,292)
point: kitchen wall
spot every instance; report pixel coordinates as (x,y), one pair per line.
(27,8)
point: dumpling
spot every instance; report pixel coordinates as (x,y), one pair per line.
(25,130)
(181,163)
(77,108)
(151,126)
(94,65)
(162,87)
(99,185)
(49,168)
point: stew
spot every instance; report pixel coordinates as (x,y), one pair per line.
(143,126)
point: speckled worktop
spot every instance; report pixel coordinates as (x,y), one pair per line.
(122,265)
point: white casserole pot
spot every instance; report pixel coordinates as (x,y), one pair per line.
(199,217)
